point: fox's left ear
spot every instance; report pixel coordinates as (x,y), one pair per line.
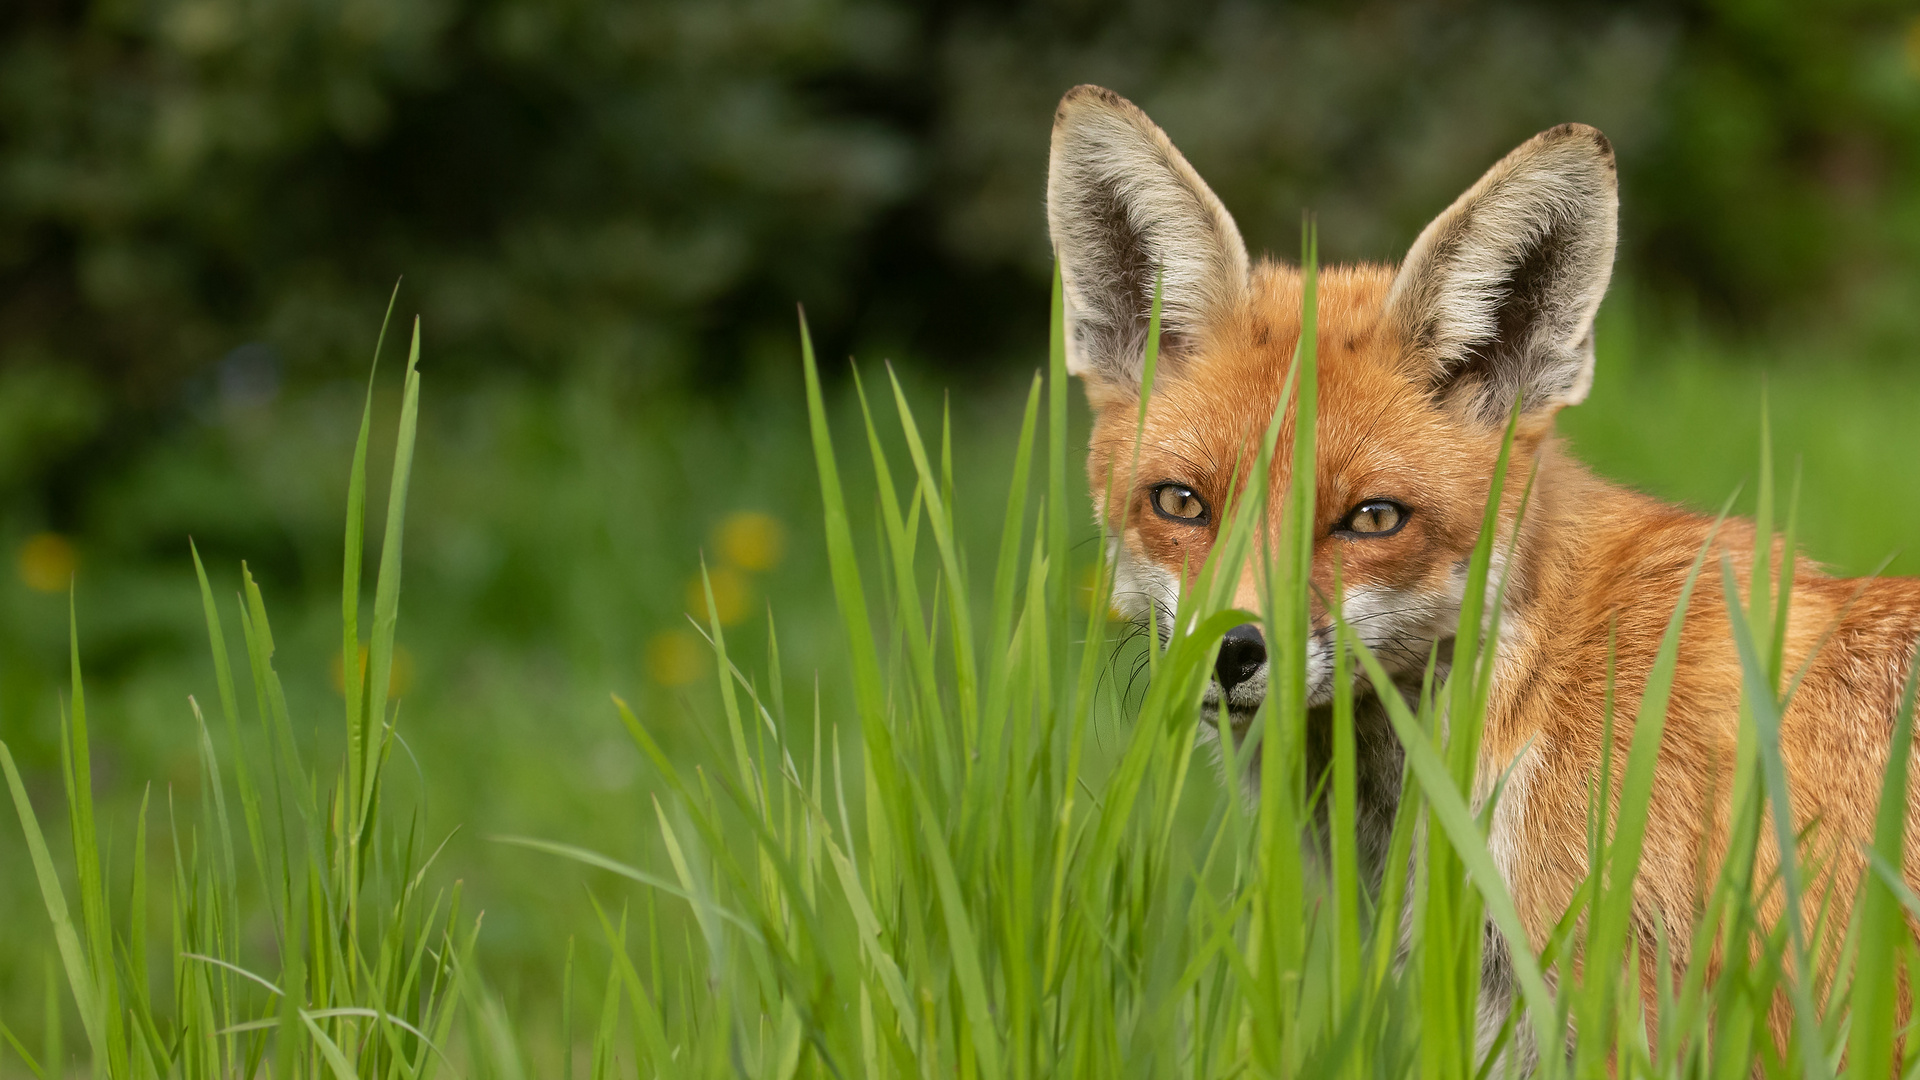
(1497,296)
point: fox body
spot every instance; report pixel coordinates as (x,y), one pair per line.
(1420,367)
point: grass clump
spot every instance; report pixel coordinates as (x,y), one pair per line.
(370,957)
(994,865)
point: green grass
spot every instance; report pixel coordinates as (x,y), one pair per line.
(916,822)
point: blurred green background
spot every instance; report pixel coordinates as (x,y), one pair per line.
(604,214)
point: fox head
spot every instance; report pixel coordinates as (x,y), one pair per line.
(1420,367)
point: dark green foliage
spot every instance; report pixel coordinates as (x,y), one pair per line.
(205,199)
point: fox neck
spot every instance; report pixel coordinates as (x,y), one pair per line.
(1557,568)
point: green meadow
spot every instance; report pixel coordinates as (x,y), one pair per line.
(937,817)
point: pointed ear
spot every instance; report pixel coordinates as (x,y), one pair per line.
(1496,298)
(1124,207)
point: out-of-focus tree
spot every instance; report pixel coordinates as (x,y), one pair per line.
(217,194)
(1784,178)
(182,177)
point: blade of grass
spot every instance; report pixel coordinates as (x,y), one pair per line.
(1614,911)
(386,589)
(1758,694)
(358,734)
(65,936)
(1449,811)
(1876,976)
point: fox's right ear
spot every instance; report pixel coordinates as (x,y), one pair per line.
(1124,208)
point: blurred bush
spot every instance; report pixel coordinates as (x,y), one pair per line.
(203,199)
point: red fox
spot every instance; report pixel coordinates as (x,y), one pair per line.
(1420,369)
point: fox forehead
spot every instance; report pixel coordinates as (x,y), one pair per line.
(1380,433)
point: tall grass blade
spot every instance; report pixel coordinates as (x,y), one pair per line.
(359,737)
(386,593)
(65,935)
(1757,694)
(1449,811)
(1607,935)
(1876,975)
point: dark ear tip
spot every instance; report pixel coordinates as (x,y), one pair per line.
(1087,94)
(1577,132)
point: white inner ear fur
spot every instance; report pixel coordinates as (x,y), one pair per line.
(1123,206)
(1498,294)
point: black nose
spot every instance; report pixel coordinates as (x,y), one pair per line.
(1242,652)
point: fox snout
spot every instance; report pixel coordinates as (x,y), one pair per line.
(1243,657)
(1239,678)
(1240,672)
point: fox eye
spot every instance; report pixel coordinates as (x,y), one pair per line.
(1374,518)
(1177,502)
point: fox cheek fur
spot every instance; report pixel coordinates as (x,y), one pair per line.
(1421,365)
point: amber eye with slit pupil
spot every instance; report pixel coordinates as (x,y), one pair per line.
(1179,503)
(1376,518)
